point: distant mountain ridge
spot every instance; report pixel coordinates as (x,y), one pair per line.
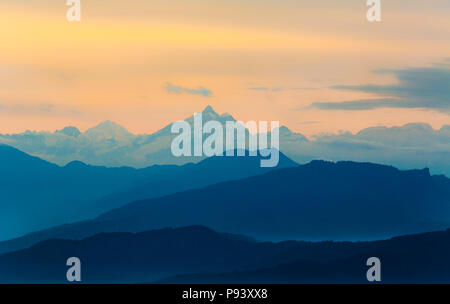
(37,194)
(197,254)
(317,201)
(414,145)
(107,144)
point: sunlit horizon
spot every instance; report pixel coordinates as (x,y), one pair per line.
(145,64)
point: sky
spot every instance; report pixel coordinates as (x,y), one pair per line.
(315,66)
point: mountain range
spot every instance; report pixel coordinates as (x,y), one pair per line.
(37,194)
(133,213)
(411,259)
(197,254)
(317,201)
(414,145)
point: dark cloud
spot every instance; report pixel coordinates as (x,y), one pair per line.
(362,104)
(416,88)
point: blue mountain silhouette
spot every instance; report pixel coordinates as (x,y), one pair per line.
(317,201)
(198,254)
(37,194)
(411,259)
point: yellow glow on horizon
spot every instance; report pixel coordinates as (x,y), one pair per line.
(116,67)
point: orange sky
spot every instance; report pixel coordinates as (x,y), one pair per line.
(117,62)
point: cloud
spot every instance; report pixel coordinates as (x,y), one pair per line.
(362,104)
(426,87)
(39,109)
(274,89)
(309,122)
(411,146)
(180,90)
(259,89)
